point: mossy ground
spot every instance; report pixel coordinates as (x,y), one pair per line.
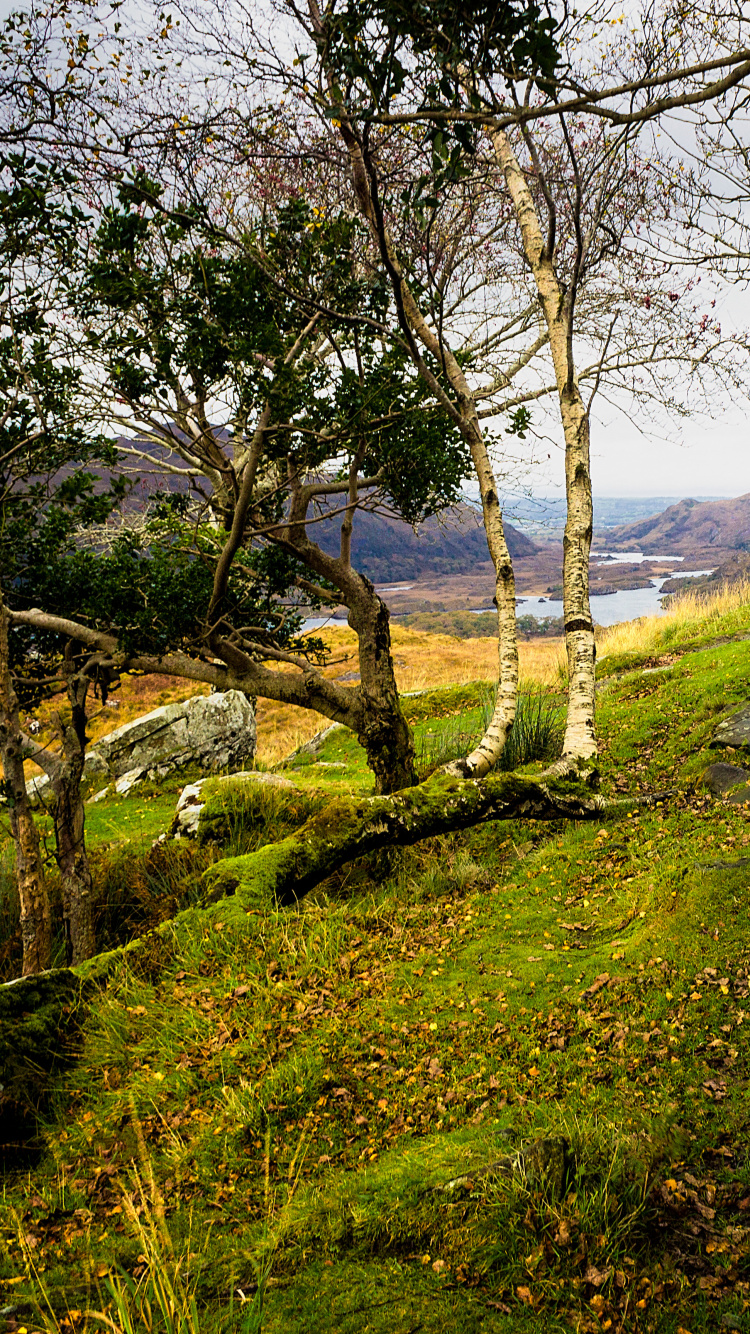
(305,1083)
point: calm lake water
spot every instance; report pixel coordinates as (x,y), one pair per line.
(624,605)
(608,609)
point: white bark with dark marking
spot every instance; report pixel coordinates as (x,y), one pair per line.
(580,733)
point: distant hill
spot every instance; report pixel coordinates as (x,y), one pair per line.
(736,570)
(388,550)
(687,525)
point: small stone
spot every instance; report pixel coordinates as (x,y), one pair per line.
(124,784)
(191,802)
(312,746)
(98,796)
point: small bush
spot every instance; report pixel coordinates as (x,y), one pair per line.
(136,892)
(244,816)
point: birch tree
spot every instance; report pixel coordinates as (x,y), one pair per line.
(467,75)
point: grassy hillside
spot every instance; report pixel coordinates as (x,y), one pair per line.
(495,1082)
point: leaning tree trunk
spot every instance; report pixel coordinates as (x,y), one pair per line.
(347,828)
(36,924)
(384,732)
(460,407)
(580,734)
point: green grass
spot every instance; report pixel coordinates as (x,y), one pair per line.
(307,1082)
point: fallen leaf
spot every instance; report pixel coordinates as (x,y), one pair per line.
(716,1089)
(597,1276)
(596,985)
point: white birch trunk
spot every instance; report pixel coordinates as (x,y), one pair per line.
(463,410)
(580,733)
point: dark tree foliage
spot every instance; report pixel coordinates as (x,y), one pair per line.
(54,470)
(516,37)
(171,312)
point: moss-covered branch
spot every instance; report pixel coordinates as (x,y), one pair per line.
(348,828)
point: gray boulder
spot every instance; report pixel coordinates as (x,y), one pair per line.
(311,747)
(730,781)
(213,731)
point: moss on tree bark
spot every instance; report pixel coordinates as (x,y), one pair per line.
(348,828)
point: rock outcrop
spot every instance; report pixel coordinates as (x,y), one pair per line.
(734,731)
(213,731)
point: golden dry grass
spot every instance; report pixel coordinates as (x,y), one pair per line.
(691,613)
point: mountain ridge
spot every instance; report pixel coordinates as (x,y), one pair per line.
(389,550)
(688,525)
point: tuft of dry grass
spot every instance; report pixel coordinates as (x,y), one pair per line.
(689,614)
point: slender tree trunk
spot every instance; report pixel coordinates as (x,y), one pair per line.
(36,925)
(460,407)
(580,734)
(70,821)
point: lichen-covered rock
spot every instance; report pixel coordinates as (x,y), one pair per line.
(311,747)
(191,801)
(213,731)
